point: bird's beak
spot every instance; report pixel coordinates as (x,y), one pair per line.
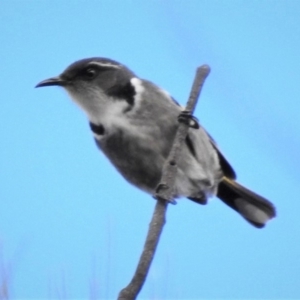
(52,81)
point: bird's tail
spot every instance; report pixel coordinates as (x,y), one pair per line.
(254,208)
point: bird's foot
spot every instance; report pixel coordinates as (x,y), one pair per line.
(187,118)
(158,197)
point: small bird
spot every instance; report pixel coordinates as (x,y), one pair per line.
(134,123)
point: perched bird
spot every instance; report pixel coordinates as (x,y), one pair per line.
(134,123)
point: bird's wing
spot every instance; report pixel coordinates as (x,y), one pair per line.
(225,165)
(200,142)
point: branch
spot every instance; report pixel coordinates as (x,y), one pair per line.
(164,193)
(165,188)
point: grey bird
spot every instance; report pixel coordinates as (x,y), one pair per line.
(134,123)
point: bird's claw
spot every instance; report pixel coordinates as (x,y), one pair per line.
(187,118)
(157,197)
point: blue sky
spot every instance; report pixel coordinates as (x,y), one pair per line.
(71,227)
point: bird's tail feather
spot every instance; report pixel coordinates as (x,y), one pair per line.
(254,208)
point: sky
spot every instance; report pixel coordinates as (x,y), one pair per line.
(71,227)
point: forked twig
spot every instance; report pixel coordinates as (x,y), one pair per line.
(165,191)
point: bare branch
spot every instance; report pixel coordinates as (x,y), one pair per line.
(155,228)
(164,192)
(165,188)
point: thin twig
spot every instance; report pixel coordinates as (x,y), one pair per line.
(170,167)
(155,228)
(165,192)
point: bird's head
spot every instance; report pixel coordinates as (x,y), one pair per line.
(94,83)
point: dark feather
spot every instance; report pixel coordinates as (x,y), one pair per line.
(190,145)
(254,208)
(199,200)
(225,165)
(97,128)
(125,92)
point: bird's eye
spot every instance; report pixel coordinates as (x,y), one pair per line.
(90,73)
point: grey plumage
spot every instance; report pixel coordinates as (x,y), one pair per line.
(134,123)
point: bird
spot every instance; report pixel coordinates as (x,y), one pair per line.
(134,122)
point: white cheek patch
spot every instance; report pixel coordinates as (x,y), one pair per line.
(105,110)
(99,108)
(89,104)
(139,88)
(114,113)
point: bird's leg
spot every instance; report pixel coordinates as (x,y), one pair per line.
(158,188)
